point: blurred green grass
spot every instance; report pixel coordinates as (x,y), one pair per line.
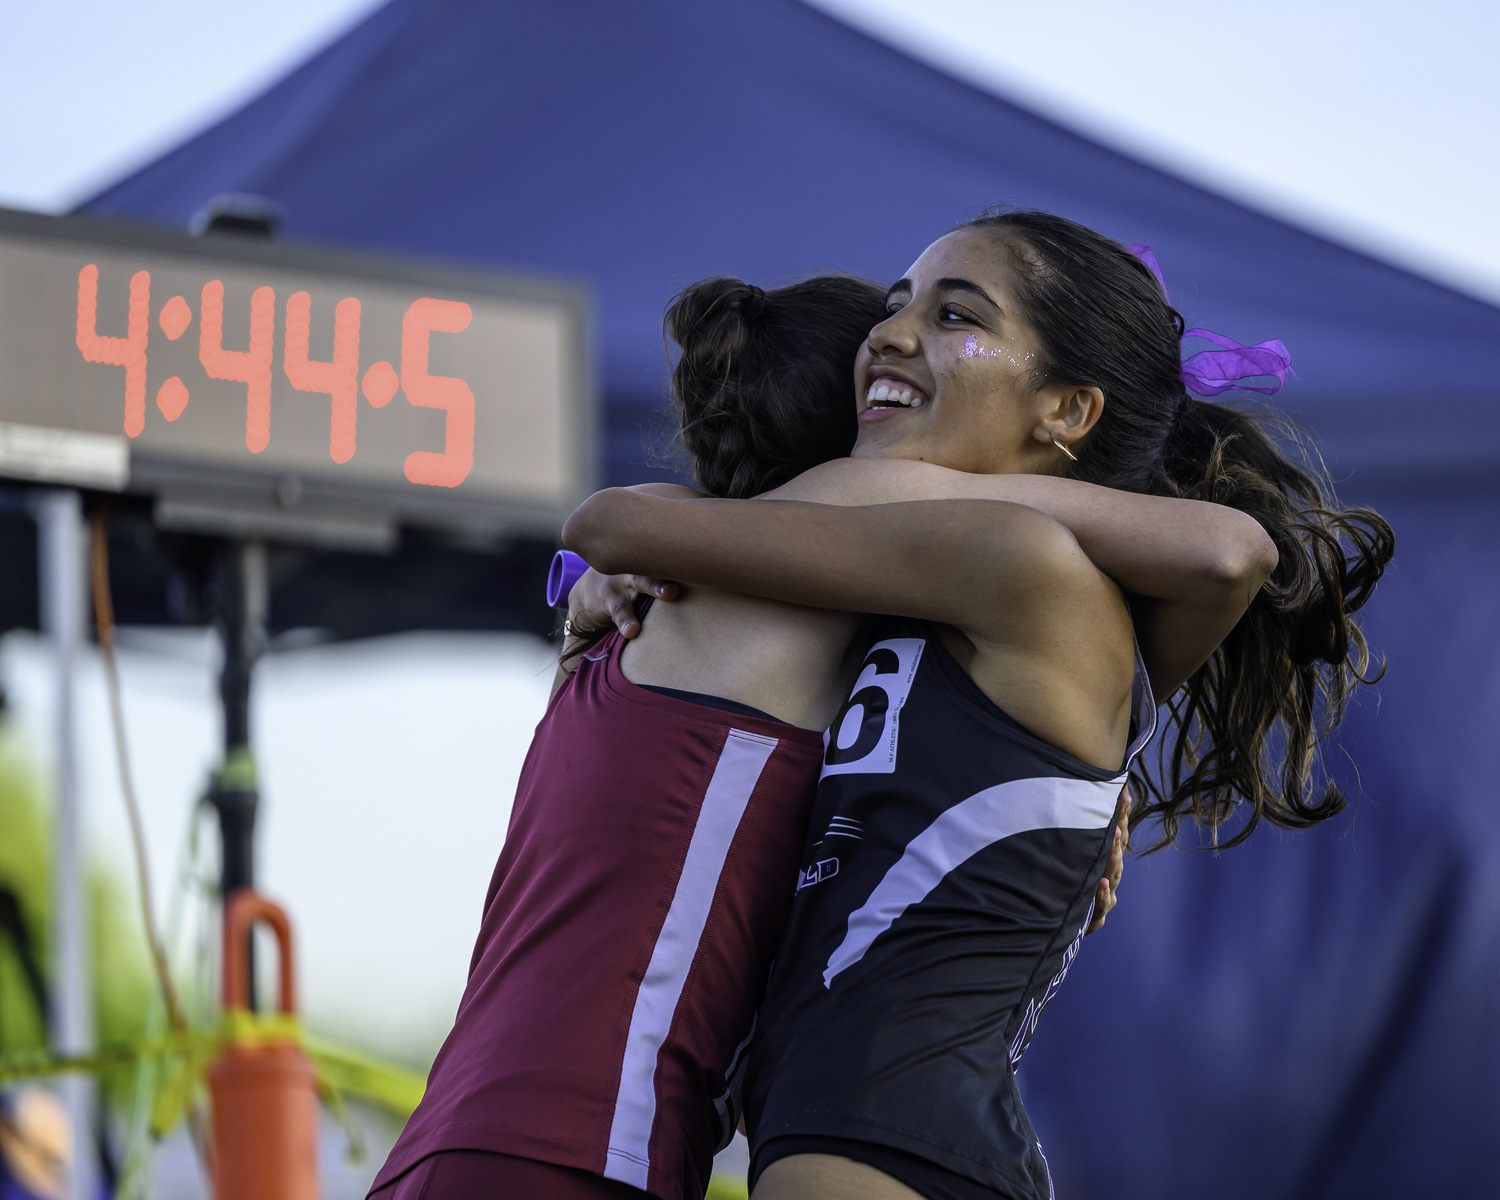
(121,969)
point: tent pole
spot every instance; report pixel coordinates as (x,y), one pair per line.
(241,596)
(61,550)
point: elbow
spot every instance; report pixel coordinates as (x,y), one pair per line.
(1246,560)
(1266,559)
(594,530)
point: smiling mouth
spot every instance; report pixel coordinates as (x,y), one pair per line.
(885,394)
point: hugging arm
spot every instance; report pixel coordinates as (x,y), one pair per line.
(998,571)
(1192,567)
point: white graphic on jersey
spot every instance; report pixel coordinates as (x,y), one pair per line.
(827,868)
(843,827)
(963,831)
(1034,1006)
(862,738)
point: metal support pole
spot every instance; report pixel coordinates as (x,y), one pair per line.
(241,597)
(61,551)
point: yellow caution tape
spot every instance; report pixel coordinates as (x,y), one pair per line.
(182,1074)
(362,1075)
(241,1027)
(186,1058)
(37,1064)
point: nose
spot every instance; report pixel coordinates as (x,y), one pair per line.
(895,336)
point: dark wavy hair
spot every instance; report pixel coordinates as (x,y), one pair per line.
(763,385)
(1249,723)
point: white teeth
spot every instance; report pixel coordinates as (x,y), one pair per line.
(884,393)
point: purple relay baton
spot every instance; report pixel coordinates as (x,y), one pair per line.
(565,571)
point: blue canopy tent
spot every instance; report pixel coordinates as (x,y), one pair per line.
(1307,1016)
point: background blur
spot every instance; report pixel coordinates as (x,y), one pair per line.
(1310,1016)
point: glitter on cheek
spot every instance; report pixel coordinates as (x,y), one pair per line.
(972,350)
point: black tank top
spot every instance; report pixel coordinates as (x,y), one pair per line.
(948,878)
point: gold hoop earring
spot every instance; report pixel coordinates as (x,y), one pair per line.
(1063,448)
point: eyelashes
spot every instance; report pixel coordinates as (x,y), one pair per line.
(948,311)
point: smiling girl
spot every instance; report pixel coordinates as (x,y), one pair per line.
(971,780)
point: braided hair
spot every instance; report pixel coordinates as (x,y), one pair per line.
(763,386)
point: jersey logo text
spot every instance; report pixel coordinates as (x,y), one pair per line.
(816,873)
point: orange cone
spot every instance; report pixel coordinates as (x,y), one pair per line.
(265,1092)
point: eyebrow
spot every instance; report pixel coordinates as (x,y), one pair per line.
(951,283)
(955,283)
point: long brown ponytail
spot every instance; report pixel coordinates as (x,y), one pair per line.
(1251,720)
(1249,723)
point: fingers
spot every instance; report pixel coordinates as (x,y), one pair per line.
(1114,870)
(662,589)
(595,596)
(1104,900)
(622,613)
(1106,895)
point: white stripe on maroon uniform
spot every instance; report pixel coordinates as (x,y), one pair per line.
(735,775)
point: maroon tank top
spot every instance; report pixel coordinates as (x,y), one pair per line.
(641,894)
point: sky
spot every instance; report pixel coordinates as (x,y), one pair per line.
(1371,122)
(1368,121)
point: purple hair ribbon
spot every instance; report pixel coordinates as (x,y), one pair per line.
(1213,372)
(1144,254)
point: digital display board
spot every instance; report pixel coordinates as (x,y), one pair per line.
(225,374)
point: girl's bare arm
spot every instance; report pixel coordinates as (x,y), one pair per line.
(982,566)
(1193,566)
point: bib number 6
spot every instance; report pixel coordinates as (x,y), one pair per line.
(863,737)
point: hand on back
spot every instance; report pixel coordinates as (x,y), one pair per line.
(599,601)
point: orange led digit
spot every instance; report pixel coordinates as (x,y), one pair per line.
(338,378)
(252,366)
(450,468)
(129,351)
